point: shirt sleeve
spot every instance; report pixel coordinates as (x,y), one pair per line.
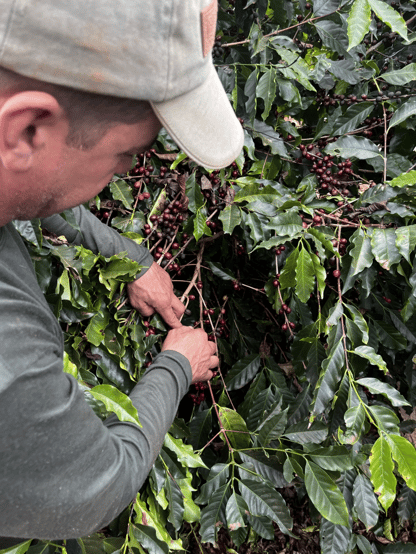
(65,473)
(97,237)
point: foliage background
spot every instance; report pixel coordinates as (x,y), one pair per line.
(299,262)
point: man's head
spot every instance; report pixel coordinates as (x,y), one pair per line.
(60,147)
(90,115)
(159,52)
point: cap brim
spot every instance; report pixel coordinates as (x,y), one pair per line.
(203,124)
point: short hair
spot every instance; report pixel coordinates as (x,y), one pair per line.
(90,115)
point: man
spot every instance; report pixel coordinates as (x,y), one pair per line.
(83,87)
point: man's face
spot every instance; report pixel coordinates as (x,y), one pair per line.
(70,177)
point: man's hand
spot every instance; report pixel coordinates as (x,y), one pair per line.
(194,345)
(154,293)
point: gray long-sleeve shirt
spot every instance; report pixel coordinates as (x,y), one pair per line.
(63,472)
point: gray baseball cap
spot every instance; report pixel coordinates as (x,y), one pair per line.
(155,50)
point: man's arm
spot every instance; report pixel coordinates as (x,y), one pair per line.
(151,291)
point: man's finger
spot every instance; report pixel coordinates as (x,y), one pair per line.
(177,306)
(145,309)
(170,318)
(213,347)
(213,362)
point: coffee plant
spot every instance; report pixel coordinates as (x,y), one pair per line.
(299,261)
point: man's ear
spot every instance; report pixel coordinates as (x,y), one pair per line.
(29,122)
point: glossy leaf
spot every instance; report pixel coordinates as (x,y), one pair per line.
(230,217)
(325,495)
(304,433)
(358,22)
(264,500)
(365,502)
(353,147)
(235,427)
(404,112)
(235,512)
(213,516)
(404,454)
(369,354)
(116,401)
(334,538)
(121,191)
(242,372)
(329,379)
(184,452)
(304,275)
(382,476)
(361,254)
(389,16)
(378,387)
(332,458)
(383,245)
(401,76)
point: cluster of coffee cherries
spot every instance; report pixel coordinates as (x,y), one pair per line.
(332,177)
(150,330)
(285,309)
(199,396)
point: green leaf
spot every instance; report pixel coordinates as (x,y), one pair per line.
(406,240)
(272,428)
(405,111)
(404,454)
(382,476)
(146,538)
(117,402)
(266,89)
(18,549)
(361,254)
(269,137)
(333,36)
(184,452)
(304,276)
(334,538)
(286,224)
(194,194)
(222,273)
(401,76)
(288,275)
(358,22)
(352,118)
(405,179)
(332,458)
(389,16)
(265,465)
(243,372)
(262,499)
(386,420)
(375,386)
(369,354)
(383,244)
(365,503)
(175,499)
(354,420)
(230,217)
(329,379)
(69,367)
(255,191)
(353,147)
(121,191)
(359,320)
(200,225)
(304,433)
(218,476)
(235,427)
(213,516)
(325,495)
(235,511)
(407,503)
